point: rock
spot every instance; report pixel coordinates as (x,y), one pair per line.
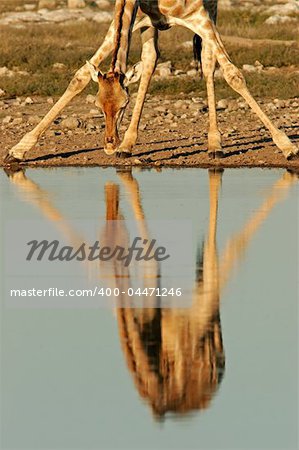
(178,104)
(59,66)
(5,72)
(95,113)
(71,122)
(225,4)
(2,92)
(7,120)
(279,103)
(48,4)
(291,7)
(196,99)
(29,101)
(164,69)
(192,73)
(137,161)
(179,72)
(33,120)
(258,64)
(161,109)
(17,121)
(76,4)
(102,17)
(90,99)
(222,104)
(249,68)
(50,101)
(24,73)
(102,4)
(276,19)
(29,7)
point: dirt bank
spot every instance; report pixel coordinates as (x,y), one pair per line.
(173,133)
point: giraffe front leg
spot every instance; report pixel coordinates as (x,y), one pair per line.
(77,84)
(208,68)
(149,59)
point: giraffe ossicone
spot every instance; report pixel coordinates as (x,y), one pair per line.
(150,16)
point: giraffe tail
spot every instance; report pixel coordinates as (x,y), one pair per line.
(197,47)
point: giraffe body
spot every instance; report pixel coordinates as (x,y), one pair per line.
(150,16)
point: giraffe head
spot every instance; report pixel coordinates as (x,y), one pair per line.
(112,98)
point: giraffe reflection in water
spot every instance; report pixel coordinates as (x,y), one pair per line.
(175,355)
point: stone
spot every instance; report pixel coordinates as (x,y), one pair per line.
(5,72)
(103,4)
(29,101)
(90,99)
(192,73)
(71,122)
(276,19)
(2,92)
(249,68)
(222,104)
(161,109)
(7,120)
(226,4)
(59,66)
(17,121)
(196,99)
(33,120)
(102,17)
(95,113)
(47,4)
(292,7)
(76,4)
(29,7)
(164,69)
(50,101)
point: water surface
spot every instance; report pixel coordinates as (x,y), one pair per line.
(220,374)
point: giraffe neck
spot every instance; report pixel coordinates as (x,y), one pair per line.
(125,13)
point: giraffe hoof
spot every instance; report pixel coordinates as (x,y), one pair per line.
(10,171)
(123,154)
(11,161)
(293,157)
(218,154)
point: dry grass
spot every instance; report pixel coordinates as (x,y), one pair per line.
(36,48)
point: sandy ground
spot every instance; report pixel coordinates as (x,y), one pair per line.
(170,135)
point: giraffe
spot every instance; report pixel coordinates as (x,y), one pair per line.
(150,16)
(175,356)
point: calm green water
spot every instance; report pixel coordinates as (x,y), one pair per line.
(66,377)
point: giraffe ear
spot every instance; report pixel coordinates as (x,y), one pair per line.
(95,74)
(133,74)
